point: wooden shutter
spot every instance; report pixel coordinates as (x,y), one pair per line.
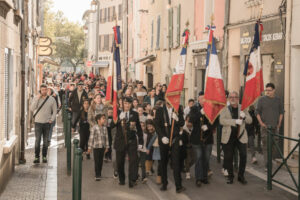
(178,24)
(158,33)
(100,15)
(170,27)
(120,12)
(152,32)
(6,72)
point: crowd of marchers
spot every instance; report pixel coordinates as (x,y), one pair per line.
(148,132)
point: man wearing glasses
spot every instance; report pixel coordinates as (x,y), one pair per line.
(269,113)
(234,135)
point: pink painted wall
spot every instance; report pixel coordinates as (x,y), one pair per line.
(219,14)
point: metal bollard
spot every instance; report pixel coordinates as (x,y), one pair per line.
(269,148)
(298,167)
(78,175)
(74,172)
(219,132)
(68,143)
(65,123)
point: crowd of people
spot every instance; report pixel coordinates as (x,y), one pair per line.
(148,131)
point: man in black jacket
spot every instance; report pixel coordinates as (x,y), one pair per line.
(163,122)
(75,103)
(202,140)
(128,128)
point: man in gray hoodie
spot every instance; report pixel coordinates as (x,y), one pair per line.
(44,110)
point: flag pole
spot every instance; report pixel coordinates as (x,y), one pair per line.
(173,122)
(207,70)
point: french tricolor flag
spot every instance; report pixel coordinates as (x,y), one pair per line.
(214,95)
(114,80)
(253,71)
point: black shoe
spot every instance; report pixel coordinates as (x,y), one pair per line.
(163,188)
(242,180)
(121,183)
(36,161)
(229,180)
(181,189)
(131,184)
(204,181)
(198,183)
(45,160)
(88,156)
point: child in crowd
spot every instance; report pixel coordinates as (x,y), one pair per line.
(189,160)
(84,127)
(99,142)
(142,152)
(153,143)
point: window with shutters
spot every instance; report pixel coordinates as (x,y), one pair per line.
(174,37)
(152,32)
(114,13)
(158,33)
(120,12)
(105,15)
(109,17)
(106,42)
(8,93)
(100,42)
(170,28)
(101,16)
(178,24)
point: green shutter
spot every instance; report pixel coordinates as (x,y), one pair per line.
(178,23)
(158,32)
(152,33)
(170,27)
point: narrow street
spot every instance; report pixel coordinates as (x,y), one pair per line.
(50,181)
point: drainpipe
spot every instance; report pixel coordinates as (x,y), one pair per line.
(287,76)
(22,159)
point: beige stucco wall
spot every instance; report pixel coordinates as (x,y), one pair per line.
(9,38)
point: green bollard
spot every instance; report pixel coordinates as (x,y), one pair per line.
(269,148)
(65,123)
(68,143)
(74,171)
(298,167)
(219,133)
(78,178)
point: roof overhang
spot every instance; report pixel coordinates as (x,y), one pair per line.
(146,59)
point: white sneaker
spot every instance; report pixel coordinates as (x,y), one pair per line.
(225,172)
(254,160)
(210,173)
(188,176)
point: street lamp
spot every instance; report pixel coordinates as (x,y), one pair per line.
(94,4)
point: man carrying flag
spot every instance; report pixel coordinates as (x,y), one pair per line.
(126,121)
(169,122)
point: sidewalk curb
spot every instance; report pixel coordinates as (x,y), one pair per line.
(262,176)
(51,181)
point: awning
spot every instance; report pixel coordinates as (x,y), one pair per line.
(101,64)
(146,59)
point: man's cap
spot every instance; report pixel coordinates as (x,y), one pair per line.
(80,83)
(201,93)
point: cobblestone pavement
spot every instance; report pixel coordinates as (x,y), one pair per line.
(28,182)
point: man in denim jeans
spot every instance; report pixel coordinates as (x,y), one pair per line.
(201,140)
(44,109)
(269,114)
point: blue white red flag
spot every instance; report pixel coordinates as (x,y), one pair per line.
(214,94)
(175,87)
(254,85)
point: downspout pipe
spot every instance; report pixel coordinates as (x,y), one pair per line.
(22,159)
